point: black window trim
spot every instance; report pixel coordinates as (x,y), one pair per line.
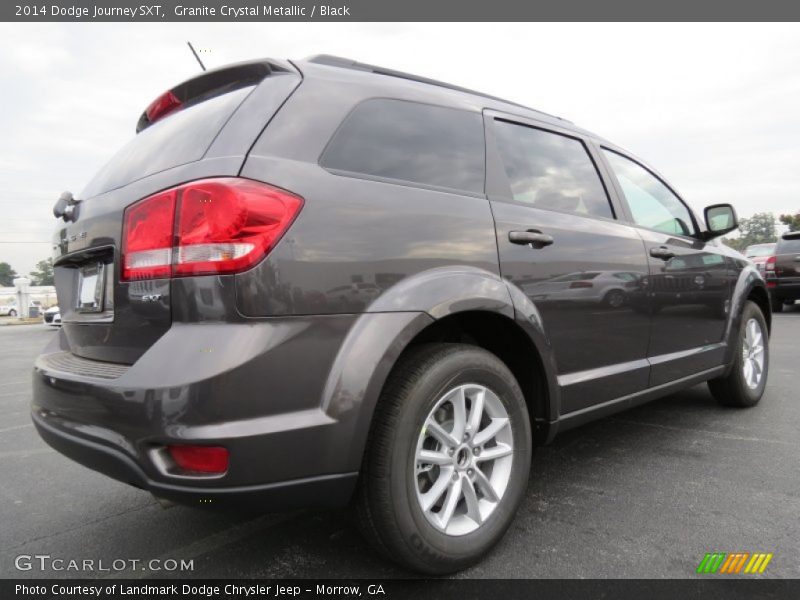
(490,116)
(402,182)
(629,214)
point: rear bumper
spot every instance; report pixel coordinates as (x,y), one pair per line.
(323,490)
(262,389)
(784,291)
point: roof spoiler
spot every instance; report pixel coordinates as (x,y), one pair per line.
(207,85)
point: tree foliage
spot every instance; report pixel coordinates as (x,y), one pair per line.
(7,274)
(758,229)
(791,221)
(43,274)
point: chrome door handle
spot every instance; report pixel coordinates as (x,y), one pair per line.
(661,252)
(534,239)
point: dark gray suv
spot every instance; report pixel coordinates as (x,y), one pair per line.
(306,283)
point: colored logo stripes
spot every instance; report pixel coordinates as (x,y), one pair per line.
(734,562)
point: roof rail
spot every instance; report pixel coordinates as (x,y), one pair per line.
(347,63)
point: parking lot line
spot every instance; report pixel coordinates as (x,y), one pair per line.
(9,395)
(19,381)
(718,434)
(26,425)
(26,453)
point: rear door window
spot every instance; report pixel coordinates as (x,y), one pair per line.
(549,170)
(409,142)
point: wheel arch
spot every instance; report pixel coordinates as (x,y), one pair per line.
(507,340)
(760,296)
(749,286)
(459,303)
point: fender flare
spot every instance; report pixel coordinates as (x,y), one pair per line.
(749,279)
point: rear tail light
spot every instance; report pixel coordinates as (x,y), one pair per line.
(576,285)
(211,226)
(770,264)
(200,459)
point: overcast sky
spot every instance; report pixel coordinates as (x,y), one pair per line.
(716,108)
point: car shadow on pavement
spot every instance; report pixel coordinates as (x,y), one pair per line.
(327,544)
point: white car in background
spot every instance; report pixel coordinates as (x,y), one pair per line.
(52,316)
(9,310)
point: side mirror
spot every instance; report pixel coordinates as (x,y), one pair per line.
(720,219)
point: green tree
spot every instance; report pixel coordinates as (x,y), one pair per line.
(791,221)
(7,274)
(43,275)
(758,229)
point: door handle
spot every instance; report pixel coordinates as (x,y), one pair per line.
(661,252)
(533,238)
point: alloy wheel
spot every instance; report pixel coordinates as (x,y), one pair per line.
(753,353)
(463,458)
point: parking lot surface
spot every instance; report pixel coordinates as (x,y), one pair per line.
(645,493)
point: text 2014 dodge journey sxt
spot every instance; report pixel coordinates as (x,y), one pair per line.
(320,281)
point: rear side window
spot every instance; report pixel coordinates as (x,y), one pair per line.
(549,170)
(410,142)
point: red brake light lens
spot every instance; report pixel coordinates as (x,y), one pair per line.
(200,459)
(162,106)
(770,264)
(211,226)
(147,237)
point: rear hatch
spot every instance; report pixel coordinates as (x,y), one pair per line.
(787,259)
(201,128)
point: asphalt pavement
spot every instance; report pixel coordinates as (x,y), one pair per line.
(645,493)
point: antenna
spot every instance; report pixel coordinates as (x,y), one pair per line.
(202,66)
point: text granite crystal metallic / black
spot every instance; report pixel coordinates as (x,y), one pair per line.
(319,282)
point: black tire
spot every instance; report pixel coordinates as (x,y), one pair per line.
(777,306)
(388,512)
(732,389)
(615,298)
(12,313)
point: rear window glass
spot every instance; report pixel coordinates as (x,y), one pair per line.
(410,142)
(788,246)
(181,138)
(759,251)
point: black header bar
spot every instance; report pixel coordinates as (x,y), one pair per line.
(398,10)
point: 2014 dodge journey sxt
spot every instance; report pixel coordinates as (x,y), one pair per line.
(310,282)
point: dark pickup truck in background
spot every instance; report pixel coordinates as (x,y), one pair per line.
(783,271)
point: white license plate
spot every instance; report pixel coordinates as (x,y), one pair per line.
(91,287)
